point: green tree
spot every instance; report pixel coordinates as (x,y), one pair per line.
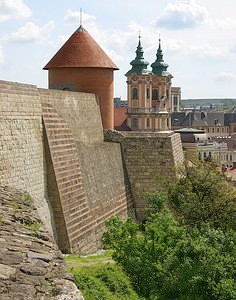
(202,194)
(170,261)
(186,249)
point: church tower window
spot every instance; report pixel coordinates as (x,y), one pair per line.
(155,94)
(134,93)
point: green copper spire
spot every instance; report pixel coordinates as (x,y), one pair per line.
(139,64)
(159,67)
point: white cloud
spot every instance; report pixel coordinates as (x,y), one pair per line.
(223,24)
(73,17)
(182,14)
(202,51)
(2,60)
(225,77)
(32,33)
(13,9)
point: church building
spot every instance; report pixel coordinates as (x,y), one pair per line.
(151,97)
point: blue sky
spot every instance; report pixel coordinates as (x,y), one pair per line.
(198,39)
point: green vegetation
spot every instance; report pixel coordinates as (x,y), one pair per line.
(202,194)
(26,198)
(99,278)
(186,249)
(35,227)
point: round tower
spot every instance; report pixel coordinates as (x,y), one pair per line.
(81,65)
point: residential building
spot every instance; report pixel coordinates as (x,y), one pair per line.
(215,124)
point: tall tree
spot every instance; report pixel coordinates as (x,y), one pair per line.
(203,194)
(186,249)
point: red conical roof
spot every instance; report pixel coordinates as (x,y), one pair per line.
(80,51)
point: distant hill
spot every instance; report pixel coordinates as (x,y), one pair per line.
(209,103)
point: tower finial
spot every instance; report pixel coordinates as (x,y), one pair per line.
(159,37)
(80,16)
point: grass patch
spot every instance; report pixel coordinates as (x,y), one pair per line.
(26,198)
(99,278)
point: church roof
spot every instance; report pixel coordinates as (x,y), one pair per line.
(139,64)
(80,51)
(159,67)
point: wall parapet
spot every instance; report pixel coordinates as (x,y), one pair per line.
(147,155)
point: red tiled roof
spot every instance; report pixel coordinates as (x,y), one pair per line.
(120,119)
(81,50)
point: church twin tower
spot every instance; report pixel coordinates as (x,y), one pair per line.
(151,99)
(81,65)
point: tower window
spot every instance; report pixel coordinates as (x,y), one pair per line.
(148,122)
(155,94)
(134,93)
(148,93)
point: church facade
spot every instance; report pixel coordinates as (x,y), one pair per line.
(151,97)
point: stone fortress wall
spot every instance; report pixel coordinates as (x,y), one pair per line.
(148,155)
(52,146)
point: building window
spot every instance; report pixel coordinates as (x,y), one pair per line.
(148,93)
(213,130)
(223,130)
(199,156)
(175,100)
(148,122)
(134,123)
(218,129)
(204,155)
(134,93)
(155,94)
(230,157)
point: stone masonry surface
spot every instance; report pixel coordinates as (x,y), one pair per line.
(21,143)
(147,156)
(31,265)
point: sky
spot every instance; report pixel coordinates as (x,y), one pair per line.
(198,38)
